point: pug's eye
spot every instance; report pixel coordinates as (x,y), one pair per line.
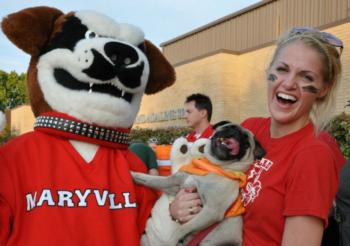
(220,140)
(90,34)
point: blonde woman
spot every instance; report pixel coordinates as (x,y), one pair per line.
(295,184)
(290,191)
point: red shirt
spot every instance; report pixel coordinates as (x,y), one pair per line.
(298,176)
(208,132)
(50,196)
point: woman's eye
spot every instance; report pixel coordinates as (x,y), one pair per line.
(309,78)
(90,34)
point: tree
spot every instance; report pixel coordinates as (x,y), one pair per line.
(13,90)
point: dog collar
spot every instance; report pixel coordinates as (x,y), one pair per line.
(65,126)
(202,166)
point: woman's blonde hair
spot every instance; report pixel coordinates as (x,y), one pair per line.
(323,107)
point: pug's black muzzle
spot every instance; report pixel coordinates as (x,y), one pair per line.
(123,57)
(221,151)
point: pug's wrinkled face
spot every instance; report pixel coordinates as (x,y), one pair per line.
(230,142)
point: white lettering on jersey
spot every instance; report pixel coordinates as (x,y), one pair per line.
(253,187)
(65,197)
(46,197)
(101,201)
(78,198)
(127,201)
(30,201)
(82,198)
(112,204)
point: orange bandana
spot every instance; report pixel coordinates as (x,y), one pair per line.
(203,166)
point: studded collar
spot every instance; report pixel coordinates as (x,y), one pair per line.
(65,126)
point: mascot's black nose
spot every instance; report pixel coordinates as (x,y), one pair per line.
(123,58)
(121,54)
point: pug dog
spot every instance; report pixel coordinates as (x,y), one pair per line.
(233,149)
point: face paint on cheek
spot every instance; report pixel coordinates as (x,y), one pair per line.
(310,89)
(272,77)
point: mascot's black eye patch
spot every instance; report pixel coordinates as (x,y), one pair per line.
(142,47)
(72,31)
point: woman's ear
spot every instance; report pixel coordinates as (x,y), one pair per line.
(162,73)
(30,29)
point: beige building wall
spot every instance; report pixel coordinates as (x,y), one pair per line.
(22,119)
(251,76)
(343,32)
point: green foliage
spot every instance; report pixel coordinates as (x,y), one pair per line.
(164,136)
(340,129)
(6,135)
(13,90)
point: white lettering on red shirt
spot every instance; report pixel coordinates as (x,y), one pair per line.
(251,191)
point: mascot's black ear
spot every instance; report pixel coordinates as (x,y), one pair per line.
(31,28)
(162,73)
(259,151)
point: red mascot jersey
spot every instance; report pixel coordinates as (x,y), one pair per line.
(50,196)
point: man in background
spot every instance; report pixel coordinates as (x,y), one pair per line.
(198,111)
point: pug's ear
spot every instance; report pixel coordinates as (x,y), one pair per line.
(162,73)
(31,28)
(259,151)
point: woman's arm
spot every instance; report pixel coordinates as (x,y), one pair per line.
(302,230)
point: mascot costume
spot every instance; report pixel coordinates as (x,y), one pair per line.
(68,182)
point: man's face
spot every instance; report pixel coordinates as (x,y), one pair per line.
(193,115)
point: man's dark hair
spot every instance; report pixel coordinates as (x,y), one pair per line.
(201,101)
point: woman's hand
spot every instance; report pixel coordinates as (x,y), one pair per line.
(185,205)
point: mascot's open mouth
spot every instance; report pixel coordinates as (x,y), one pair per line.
(65,79)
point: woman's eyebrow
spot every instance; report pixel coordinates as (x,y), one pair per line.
(283,63)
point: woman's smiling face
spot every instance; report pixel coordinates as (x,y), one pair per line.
(295,81)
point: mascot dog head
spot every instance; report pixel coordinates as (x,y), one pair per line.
(86,65)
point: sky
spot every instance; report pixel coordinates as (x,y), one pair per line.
(161,20)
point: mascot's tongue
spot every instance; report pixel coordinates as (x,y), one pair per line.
(233,145)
